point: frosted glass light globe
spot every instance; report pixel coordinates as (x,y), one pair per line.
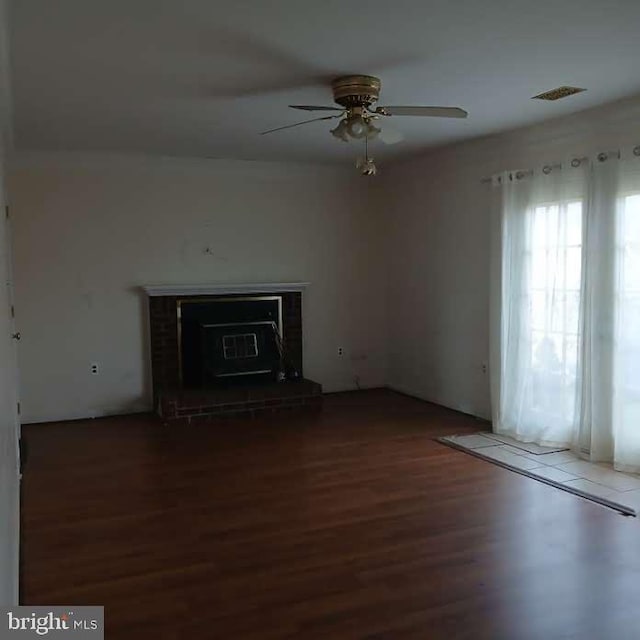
(357,127)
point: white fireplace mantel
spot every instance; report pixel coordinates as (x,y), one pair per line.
(218,289)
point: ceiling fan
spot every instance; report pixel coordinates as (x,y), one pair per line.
(358,118)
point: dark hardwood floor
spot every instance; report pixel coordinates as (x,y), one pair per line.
(349,524)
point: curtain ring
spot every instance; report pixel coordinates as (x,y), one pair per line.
(576,162)
(547,169)
(602,157)
(519,175)
(636,151)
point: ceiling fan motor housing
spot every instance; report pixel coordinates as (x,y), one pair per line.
(356,91)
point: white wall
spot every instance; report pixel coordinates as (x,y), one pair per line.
(9,463)
(9,482)
(90,229)
(438,253)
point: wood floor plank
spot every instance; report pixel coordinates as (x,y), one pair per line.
(350,524)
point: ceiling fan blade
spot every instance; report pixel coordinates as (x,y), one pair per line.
(297,124)
(437,112)
(389,135)
(310,107)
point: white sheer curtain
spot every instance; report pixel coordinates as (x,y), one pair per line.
(611,411)
(566,308)
(539,378)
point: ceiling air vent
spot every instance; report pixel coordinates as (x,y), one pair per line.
(558,94)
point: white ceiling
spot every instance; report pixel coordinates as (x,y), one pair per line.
(203,77)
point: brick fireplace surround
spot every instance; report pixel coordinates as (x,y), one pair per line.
(175,404)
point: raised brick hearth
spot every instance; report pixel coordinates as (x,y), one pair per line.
(205,404)
(174,402)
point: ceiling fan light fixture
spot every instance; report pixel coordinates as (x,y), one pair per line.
(340,131)
(358,115)
(357,127)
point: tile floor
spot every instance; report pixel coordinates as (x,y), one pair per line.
(564,467)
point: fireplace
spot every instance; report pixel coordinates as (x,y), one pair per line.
(218,351)
(231,340)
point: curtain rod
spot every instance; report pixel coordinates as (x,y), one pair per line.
(575,162)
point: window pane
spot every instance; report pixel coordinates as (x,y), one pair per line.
(631,268)
(628,332)
(574,268)
(556,304)
(539,231)
(555,254)
(538,311)
(554,235)
(574,223)
(631,219)
(547,353)
(555,267)
(539,269)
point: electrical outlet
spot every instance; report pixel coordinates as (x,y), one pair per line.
(94,369)
(340,351)
(484,367)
